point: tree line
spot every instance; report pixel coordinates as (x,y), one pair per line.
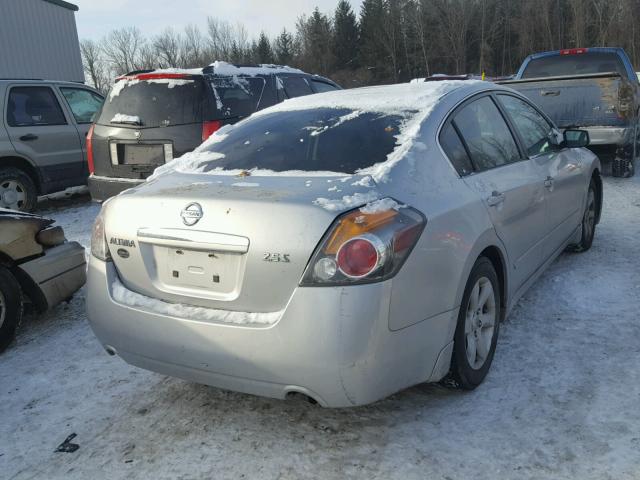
(388,41)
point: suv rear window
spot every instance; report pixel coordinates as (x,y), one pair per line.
(157,103)
(579,64)
(334,140)
(237,96)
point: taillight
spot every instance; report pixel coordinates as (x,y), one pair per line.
(209,128)
(89,147)
(365,245)
(573,51)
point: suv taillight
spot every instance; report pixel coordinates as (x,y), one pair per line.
(365,245)
(89,146)
(209,128)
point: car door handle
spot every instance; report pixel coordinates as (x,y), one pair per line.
(495,199)
(28,137)
(549,93)
(548,183)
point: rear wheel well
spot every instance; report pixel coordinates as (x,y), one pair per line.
(25,166)
(597,179)
(495,257)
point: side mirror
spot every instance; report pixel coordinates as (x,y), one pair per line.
(576,138)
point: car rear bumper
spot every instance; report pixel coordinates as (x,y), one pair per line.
(58,274)
(103,188)
(332,344)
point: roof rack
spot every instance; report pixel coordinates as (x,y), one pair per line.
(20,78)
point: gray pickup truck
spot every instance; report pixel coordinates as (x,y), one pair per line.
(593,89)
(43,128)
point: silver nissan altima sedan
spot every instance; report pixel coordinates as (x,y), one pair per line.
(342,246)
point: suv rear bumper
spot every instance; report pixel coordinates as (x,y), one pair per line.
(103,188)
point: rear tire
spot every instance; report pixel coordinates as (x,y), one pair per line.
(17,190)
(588,226)
(623,168)
(10,307)
(478,325)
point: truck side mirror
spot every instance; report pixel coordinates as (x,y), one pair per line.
(576,138)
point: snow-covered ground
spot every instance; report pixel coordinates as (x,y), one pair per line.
(562,400)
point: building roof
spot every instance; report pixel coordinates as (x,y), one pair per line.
(62,3)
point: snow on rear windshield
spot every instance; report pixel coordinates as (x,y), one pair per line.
(156,103)
(237,96)
(325,139)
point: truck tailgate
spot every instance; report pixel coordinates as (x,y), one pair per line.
(580,101)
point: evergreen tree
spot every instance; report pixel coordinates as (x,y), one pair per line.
(345,37)
(315,34)
(371,46)
(262,52)
(284,48)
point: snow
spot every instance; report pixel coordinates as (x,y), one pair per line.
(382,205)
(120,85)
(560,403)
(122,118)
(224,68)
(346,201)
(170,82)
(132,299)
(245,184)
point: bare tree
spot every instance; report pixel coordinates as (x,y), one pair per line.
(167,48)
(94,65)
(122,49)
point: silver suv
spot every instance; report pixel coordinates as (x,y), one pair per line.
(43,126)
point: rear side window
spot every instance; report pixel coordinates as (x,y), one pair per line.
(336,140)
(33,106)
(83,103)
(295,86)
(237,96)
(157,103)
(533,127)
(453,147)
(486,134)
(580,64)
(320,87)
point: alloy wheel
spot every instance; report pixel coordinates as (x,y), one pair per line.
(480,324)
(13,195)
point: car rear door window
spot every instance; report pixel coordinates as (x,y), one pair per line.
(296,86)
(453,147)
(578,64)
(533,127)
(320,87)
(486,134)
(33,106)
(83,103)
(238,96)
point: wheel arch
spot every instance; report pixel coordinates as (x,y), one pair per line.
(26,166)
(495,256)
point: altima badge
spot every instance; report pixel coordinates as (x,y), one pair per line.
(191,214)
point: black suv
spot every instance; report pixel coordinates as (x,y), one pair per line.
(153,116)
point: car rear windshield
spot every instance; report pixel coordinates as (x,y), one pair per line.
(579,64)
(155,103)
(237,96)
(335,140)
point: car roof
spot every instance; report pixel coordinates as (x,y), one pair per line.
(37,81)
(390,99)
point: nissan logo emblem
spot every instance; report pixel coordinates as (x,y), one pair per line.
(191,214)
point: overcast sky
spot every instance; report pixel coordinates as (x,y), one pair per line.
(98,17)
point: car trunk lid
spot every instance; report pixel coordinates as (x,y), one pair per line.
(225,242)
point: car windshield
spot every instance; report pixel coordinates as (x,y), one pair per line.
(237,96)
(326,139)
(579,64)
(154,103)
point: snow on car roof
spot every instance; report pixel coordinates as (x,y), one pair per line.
(413,101)
(225,68)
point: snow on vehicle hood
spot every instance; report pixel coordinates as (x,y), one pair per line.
(413,101)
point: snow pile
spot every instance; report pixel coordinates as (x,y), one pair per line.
(125,296)
(170,82)
(347,201)
(120,85)
(382,205)
(122,118)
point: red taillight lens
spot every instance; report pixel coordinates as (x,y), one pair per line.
(209,128)
(89,148)
(357,258)
(365,245)
(573,51)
